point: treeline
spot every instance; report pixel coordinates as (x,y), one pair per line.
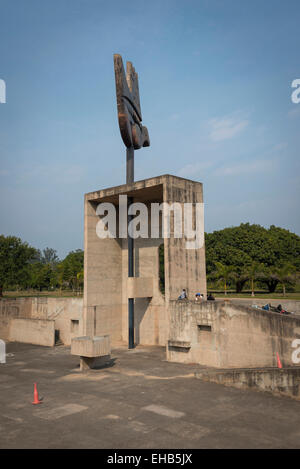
(254,257)
(246,256)
(22,267)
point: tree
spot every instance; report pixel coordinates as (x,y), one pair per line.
(224,273)
(269,278)
(49,257)
(70,267)
(80,278)
(241,277)
(254,271)
(40,275)
(243,245)
(15,257)
(285,275)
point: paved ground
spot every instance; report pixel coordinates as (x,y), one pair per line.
(139,402)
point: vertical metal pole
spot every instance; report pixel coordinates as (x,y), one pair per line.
(129,165)
(129,180)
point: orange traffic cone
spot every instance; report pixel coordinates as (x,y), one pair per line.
(36,396)
(278,361)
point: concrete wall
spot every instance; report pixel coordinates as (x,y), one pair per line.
(288,305)
(32,331)
(284,381)
(66,314)
(102,280)
(224,334)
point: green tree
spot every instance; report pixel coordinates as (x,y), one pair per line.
(15,257)
(243,245)
(224,273)
(241,277)
(254,272)
(41,276)
(80,279)
(49,256)
(70,267)
(285,275)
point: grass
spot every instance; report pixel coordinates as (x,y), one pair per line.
(216,293)
(258,295)
(35,293)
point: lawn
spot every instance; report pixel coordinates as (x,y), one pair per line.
(259,295)
(35,293)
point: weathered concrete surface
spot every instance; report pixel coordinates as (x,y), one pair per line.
(141,401)
(139,287)
(32,331)
(107,289)
(65,312)
(91,346)
(227,335)
(285,381)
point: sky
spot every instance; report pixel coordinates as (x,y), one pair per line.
(215,86)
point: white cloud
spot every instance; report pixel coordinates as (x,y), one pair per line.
(225,128)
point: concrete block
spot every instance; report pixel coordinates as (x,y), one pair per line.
(86,346)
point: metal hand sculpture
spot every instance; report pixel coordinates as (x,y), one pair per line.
(135,136)
(133,133)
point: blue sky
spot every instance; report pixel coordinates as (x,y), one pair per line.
(215,84)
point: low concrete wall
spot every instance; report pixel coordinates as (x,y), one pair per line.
(65,312)
(228,335)
(288,305)
(32,331)
(277,381)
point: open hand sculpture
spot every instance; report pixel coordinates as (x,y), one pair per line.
(133,133)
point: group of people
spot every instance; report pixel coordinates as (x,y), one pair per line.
(277,309)
(198,296)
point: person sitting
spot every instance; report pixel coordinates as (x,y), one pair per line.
(210,297)
(183,295)
(199,296)
(266,307)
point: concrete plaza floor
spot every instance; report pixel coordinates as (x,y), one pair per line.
(141,401)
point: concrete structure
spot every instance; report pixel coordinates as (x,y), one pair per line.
(226,335)
(94,351)
(287,304)
(63,314)
(283,382)
(107,286)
